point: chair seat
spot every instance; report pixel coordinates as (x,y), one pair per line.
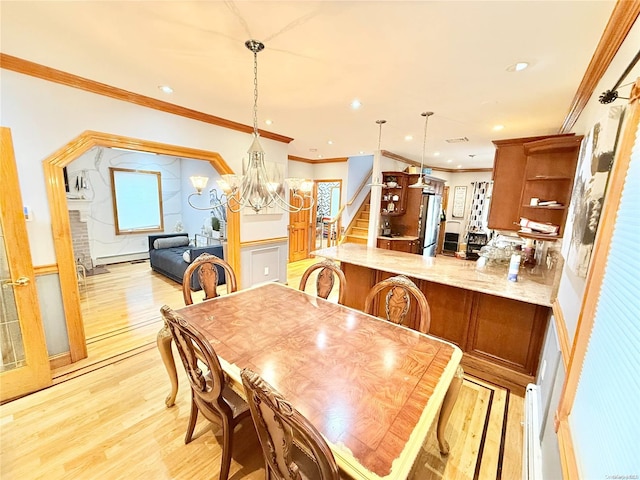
(237,404)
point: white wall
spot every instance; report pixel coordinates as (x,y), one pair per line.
(95,164)
(192,219)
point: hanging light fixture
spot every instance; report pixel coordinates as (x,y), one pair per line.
(420,183)
(259,187)
(376,181)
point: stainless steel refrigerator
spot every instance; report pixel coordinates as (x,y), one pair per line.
(429,223)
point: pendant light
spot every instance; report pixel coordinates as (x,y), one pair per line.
(259,187)
(420,183)
(376,181)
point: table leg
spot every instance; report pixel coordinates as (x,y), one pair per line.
(447,407)
(164,346)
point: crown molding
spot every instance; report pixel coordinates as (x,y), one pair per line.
(321,160)
(25,67)
(622,18)
(413,163)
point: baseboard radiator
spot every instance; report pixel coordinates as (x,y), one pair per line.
(127,257)
(531,455)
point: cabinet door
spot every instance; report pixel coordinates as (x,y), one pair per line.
(450,311)
(507,331)
(384,244)
(401,246)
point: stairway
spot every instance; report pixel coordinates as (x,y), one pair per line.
(358,230)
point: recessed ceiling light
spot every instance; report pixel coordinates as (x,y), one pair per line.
(449,161)
(436,154)
(356,104)
(361,152)
(165,88)
(268,122)
(517,67)
(459,166)
(319,156)
(408,137)
(498,127)
(330,142)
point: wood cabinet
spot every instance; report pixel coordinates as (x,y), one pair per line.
(399,244)
(548,176)
(510,163)
(394,198)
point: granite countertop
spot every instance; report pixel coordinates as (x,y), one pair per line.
(397,237)
(537,285)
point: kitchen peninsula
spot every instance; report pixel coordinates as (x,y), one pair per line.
(498,324)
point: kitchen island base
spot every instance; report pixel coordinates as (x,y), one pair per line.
(501,337)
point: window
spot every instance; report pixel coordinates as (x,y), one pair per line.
(137,201)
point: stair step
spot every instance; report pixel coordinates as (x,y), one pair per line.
(356,239)
(364,216)
(361,232)
(362,223)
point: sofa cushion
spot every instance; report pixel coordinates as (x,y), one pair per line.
(170,242)
(186,256)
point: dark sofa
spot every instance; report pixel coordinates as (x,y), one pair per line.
(166,255)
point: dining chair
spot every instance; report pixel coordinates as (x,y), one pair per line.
(326,279)
(291,445)
(206,267)
(398,300)
(210,392)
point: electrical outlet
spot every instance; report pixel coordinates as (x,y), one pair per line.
(266,270)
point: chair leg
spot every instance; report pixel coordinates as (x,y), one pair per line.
(193,418)
(447,407)
(164,347)
(227,445)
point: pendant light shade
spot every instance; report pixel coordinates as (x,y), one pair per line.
(420,183)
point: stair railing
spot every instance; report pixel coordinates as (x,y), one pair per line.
(333,225)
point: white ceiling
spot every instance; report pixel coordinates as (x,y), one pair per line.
(399,58)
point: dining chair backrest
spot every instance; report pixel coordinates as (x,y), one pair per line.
(291,445)
(206,267)
(199,359)
(326,279)
(400,289)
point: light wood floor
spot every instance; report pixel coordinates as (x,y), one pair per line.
(106,418)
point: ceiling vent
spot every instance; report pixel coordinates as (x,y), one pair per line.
(457,140)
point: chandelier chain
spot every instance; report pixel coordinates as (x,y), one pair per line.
(255,92)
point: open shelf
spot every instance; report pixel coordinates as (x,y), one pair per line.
(538,236)
(546,207)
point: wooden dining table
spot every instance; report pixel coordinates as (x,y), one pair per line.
(372,388)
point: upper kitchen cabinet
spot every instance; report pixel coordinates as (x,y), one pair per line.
(394,193)
(510,163)
(548,179)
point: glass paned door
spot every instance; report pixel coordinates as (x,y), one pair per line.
(25,361)
(11,343)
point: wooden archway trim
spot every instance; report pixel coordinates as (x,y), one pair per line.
(61,227)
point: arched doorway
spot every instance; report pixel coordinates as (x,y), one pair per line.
(61,229)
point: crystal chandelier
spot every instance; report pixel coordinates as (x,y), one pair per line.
(420,183)
(259,187)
